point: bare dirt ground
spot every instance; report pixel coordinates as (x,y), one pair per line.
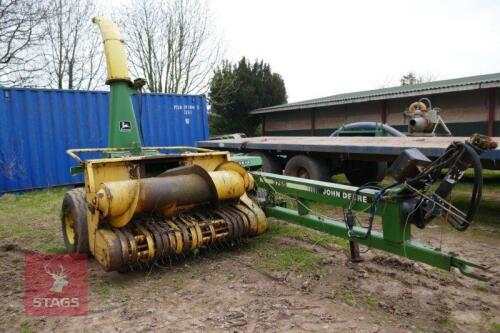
(287,280)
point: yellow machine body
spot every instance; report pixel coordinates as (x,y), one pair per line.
(143,209)
(140,207)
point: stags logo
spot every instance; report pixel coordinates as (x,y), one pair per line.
(59,279)
(55,285)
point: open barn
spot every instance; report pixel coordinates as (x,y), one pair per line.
(468,105)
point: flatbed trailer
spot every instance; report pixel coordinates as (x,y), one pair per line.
(361,158)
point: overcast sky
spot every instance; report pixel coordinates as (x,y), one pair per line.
(327,47)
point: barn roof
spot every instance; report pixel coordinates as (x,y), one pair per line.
(435,87)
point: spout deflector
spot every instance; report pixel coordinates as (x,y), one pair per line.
(114,49)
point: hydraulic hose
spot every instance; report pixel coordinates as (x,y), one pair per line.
(477,190)
(463,156)
(364,125)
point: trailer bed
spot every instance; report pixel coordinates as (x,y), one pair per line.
(355,147)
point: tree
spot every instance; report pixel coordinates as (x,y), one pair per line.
(412,78)
(18,34)
(172,44)
(236,89)
(72,53)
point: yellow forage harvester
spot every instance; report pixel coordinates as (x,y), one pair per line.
(139,205)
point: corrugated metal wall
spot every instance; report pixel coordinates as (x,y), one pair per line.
(464,112)
(37,126)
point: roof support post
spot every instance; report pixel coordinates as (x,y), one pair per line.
(313,122)
(383,112)
(264,124)
(491,111)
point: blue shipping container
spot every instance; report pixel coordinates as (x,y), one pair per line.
(37,126)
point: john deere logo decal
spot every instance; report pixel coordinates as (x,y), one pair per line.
(125,126)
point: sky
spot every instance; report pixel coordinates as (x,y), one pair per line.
(322,48)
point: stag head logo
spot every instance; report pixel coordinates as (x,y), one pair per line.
(60,279)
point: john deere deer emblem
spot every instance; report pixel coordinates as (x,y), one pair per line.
(125,126)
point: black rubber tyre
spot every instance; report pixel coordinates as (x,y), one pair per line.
(361,172)
(74,221)
(308,167)
(270,163)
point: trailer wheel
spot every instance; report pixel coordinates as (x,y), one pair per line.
(303,166)
(270,163)
(74,221)
(361,172)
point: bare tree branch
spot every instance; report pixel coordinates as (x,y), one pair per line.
(18,35)
(72,52)
(172,44)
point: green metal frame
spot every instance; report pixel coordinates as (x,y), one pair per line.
(121,111)
(247,161)
(396,232)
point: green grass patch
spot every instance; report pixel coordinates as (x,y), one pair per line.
(370,302)
(309,235)
(443,274)
(25,327)
(299,233)
(289,258)
(286,257)
(348,297)
(489,208)
(422,329)
(31,220)
(104,289)
(495,327)
(448,325)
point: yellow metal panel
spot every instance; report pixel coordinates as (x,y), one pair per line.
(106,172)
(208,161)
(114,49)
(95,174)
(229,184)
(233,166)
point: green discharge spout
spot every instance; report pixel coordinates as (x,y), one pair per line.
(123,131)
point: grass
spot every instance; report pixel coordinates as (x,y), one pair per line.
(25,327)
(347,297)
(495,327)
(304,234)
(31,220)
(443,274)
(345,294)
(423,328)
(370,302)
(104,289)
(448,325)
(287,257)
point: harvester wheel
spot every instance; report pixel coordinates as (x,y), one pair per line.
(74,221)
(308,167)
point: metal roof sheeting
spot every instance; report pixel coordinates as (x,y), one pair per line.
(435,87)
(37,126)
